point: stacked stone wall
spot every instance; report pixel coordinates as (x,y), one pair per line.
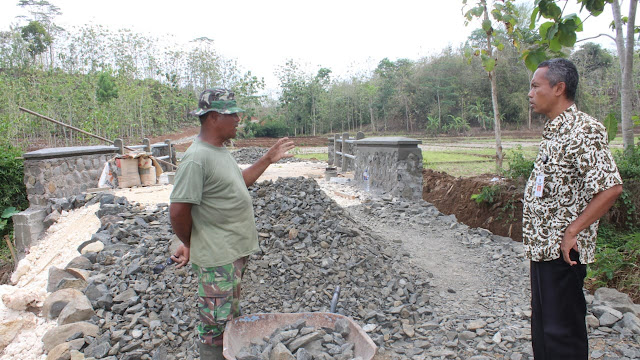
(393,170)
(62,177)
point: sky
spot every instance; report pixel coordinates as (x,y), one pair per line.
(347,36)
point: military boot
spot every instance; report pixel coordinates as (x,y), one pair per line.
(208,352)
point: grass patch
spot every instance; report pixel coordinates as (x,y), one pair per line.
(435,157)
(313,156)
(464,169)
(617,262)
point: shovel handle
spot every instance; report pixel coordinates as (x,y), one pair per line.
(334,300)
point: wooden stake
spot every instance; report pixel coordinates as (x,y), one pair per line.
(13,251)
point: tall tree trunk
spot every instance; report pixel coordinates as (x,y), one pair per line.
(494,98)
(406,112)
(373,123)
(625,54)
(439,109)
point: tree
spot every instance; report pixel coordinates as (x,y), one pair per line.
(625,55)
(44,12)
(37,37)
(107,88)
(561,32)
(502,13)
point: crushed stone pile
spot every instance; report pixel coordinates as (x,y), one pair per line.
(140,307)
(250,155)
(302,342)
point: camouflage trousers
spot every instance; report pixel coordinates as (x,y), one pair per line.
(218,298)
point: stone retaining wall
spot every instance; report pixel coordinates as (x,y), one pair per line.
(62,172)
(394,165)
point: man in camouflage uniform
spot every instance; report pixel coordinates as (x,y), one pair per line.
(574,182)
(212,214)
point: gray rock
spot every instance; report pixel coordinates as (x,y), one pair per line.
(616,300)
(78,309)
(99,348)
(304,340)
(57,301)
(51,219)
(280,352)
(55,277)
(80,262)
(606,315)
(125,296)
(59,334)
(631,322)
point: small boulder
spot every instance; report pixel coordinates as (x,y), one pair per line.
(94,247)
(80,262)
(60,334)
(55,277)
(79,309)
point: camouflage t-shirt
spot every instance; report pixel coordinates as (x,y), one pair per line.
(576,162)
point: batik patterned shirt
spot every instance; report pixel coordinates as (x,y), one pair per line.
(576,163)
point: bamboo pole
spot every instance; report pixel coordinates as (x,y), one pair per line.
(84,132)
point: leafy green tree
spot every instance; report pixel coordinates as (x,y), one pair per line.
(560,31)
(107,88)
(503,13)
(37,38)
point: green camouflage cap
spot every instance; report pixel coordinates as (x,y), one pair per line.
(217,99)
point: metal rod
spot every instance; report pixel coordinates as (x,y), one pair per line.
(346,155)
(82,131)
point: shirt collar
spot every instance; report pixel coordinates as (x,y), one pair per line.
(565,117)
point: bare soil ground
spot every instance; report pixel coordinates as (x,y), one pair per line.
(453,196)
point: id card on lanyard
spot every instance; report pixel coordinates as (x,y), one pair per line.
(539,185)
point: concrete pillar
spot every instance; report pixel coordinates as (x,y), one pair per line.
(336,148)
(345,137)
(147,145)
(120,145)
(330,151)
(28,225)
(170,152)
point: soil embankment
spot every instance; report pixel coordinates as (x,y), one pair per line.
(453,196)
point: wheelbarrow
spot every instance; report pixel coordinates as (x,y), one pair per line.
(241,331)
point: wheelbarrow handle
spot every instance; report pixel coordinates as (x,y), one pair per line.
(334,300)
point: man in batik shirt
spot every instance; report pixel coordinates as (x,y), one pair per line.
(574,182)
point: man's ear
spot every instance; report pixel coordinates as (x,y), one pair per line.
(560,88)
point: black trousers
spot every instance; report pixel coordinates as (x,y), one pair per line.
(558,310)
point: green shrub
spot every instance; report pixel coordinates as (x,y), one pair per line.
(272,129)
(13,194)
(519,166)
(628,163)
(488,195)
(617,262)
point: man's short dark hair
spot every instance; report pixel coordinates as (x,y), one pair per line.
(562,70)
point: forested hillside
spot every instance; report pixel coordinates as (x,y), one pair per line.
(117,83)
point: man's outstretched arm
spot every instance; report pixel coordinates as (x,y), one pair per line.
(275,153)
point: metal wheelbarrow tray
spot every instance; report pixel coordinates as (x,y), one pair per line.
(244,329)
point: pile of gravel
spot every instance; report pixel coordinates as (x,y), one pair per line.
(309,245)
(250,155)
